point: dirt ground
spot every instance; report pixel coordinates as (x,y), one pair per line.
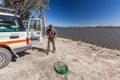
(85,62)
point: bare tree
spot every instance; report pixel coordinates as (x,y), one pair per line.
(42,5)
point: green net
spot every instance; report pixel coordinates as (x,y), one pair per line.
(60,67)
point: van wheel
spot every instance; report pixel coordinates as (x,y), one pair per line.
(5,57)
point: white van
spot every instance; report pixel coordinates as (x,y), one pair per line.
(14,38)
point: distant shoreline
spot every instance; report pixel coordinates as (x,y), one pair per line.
(87,27)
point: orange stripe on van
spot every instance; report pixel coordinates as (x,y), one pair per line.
(14,41)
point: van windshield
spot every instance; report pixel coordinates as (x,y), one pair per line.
(10,24)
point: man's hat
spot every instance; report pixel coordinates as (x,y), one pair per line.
(50,25)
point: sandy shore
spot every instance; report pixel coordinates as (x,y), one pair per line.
(85,62)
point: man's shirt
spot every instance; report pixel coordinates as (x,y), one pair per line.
(52,33)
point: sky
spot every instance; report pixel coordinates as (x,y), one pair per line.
(0,1)
(83,13)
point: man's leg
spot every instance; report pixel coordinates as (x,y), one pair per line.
(54,47)
(48,47)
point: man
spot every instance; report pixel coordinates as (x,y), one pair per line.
(52,34)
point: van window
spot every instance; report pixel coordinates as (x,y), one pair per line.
(25,23)
(10,24)
(35,25)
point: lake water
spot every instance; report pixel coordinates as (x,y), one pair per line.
(108,37)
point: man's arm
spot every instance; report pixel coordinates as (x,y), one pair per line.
(55,33)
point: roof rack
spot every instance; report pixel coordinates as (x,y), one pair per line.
(7,10)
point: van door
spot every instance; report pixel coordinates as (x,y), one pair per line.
(35,30)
